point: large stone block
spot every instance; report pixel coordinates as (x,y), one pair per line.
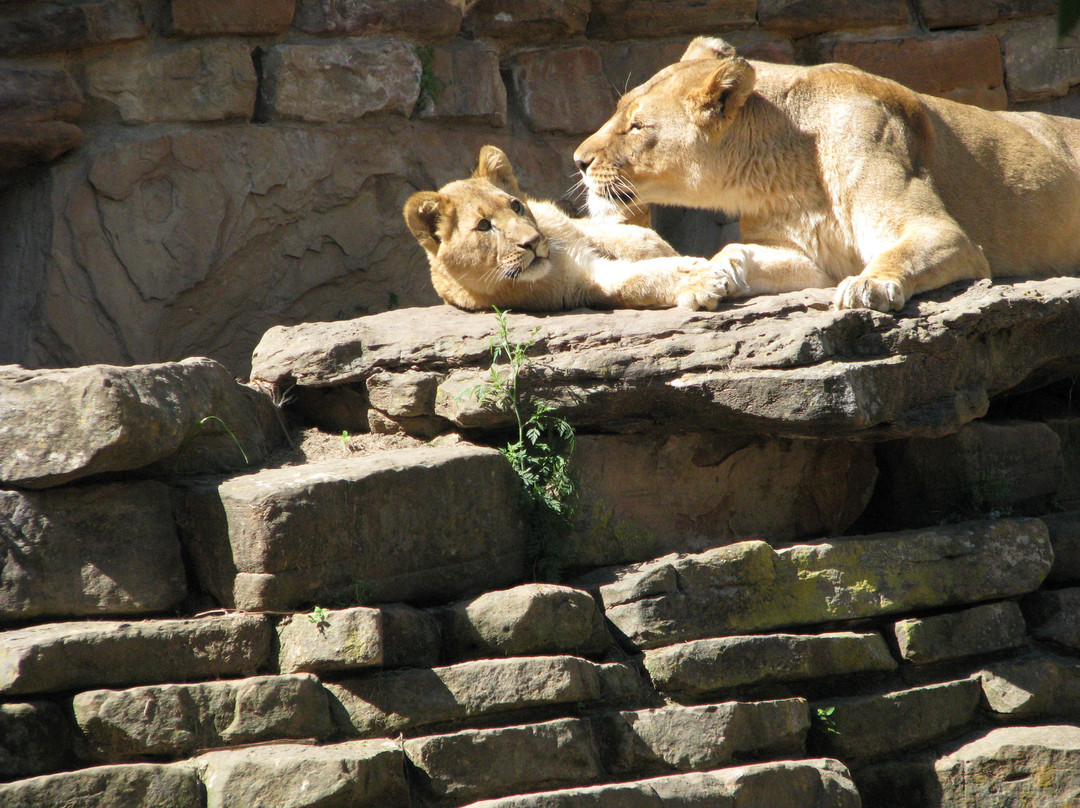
(956,13)
(531,21)
(77,656)
(25,143)
(139,785)
(1037,64)
(1040,685)
(642,496)
(562,90)
(355,774)
(175,720)
(461,80)
(212,81)
(434,19)
(979,630)
(34,739)
(802,17)
(89,550)
(1054,615)
(337,639)
(429,523)
(699,667)
(625,19)
(54,26)
(60,425)
(38,94)
(238,17)
(1065,538)
(749,587)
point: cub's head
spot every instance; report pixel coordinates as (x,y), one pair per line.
(654,148)
(479,234)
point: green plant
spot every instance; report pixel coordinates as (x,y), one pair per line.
(541,454)
(243,454)
(320,617)
(431,86)
(824,721)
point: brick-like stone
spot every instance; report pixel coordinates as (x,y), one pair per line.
(357,774)
(286,537)
(34,739)
(175,720)
(212,81)
(393,702)
(1054,615)
(411,637)
(802,17)
(38,94)
(76,656)
(57,26)
(531,21)
(25,143)
(562,90)
(434,19)
(866,727)
(235,17)
(626,19)
(956,13)
(980,630)
(139,785)
(964,66)
(1040,685)
(89,550)
(479,764)
(1037,64)
(700,667)
(340,81)
(341,640)
(460,80)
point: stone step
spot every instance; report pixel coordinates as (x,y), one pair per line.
(783,784)
(34,739)
(136,785)
(1029,687)
(431,523)
(983,629)
(750,588)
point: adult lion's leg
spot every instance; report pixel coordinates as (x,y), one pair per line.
(757,269)
(684,281)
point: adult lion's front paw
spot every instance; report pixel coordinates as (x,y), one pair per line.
(869,293)
(708,283)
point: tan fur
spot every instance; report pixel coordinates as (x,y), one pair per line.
(488,245)
(842,178)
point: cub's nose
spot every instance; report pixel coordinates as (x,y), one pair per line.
(530,243)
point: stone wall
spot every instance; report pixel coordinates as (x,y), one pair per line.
(180,175)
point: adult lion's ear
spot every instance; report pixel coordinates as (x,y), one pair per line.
(723,92)
(423,211)
(708,47)
(494,166)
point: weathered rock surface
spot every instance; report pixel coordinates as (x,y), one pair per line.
(199,17)
(343,639)
(89,550)
(38,27)
(433,522)
(699,667)
(76,656)
(436,19)
(529,619)
(139,785)
(749,587)
(531,21)
(800,18)
(411,637)
(979,630)
(355,774)
(782,365)
(1041,685)
(620,19)
(1065,537)
(400,701)
(1054,615)
(785,784)
(61,425)
(34,739)
(175,720)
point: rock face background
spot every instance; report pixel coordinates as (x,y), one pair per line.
(180,175)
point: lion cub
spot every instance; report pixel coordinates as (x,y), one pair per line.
(489,245)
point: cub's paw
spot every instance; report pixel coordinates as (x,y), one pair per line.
(869,293)
(708,283)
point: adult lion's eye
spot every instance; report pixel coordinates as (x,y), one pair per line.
(517,207)
(483,225)
(636,126)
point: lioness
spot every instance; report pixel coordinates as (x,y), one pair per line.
(488,245)
(842,178)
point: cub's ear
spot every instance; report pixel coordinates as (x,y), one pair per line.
(423,212)
(708,47)
(723,92)
(494,166)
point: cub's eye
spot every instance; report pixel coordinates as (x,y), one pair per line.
(517,207)
(483,225)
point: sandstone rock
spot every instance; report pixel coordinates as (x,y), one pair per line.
(802,17)
(212,81)
(343,639)
(698,667)
(411,637)
(435,19)
(778,365)
(476,764)
(286,537)
(704,737)
(624,19)
(355,774)
(1065,538)
(242,17)
(1033,686)
(74,656)
(531,21)
(34,739)
(979,630)
(562,90)
(785,784)
(645,495)
(23,144)
(139,785)
(1068,431)
(1037,65)
(955,13)
(401,701)
(1054,615)
(38,94)
(174,720)
(749,587)
(340,81)
(526,620)
(88,550)
(445,94)
(61,425)
(52,26)
(865,727)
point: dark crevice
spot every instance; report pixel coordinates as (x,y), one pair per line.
(261,114)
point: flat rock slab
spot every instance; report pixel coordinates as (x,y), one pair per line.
(76,656)
(329,640)
(782,365)
(784,784)
(138,785)
(980,630)
(175,720)
(89,550)
(34,739)
(1054,615)
(429,523)
(751,588)
(1041,685)
(64,424)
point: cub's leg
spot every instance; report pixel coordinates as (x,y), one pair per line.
(757,269)
(687,282)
